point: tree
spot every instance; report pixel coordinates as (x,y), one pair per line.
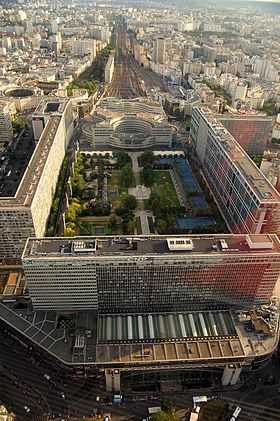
(113,222)
(100,208)
(55,204)
(257,159)
(70,230)
(128,201)
(162,226)
(18,123)
(213,410)
(126,176)
(131,226)
(128,224)
(269,108)
(78,184)
(121,211)
(147,159)
(164,416)
(122,159)
(73,211)
(147,176)
(167,406)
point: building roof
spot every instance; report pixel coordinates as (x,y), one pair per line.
(79,247)
(43,329)
(50,106)
(141,108)
(257,181)
(31,177)
(27,186)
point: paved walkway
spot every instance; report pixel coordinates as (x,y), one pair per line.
(140,211)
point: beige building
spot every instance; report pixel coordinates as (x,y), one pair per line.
(26,213)
(109,68)
(130,124)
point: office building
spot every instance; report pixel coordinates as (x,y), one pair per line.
(246,199)
(150,305)
(251,132)
(25,213)
(151,274)
(129,124)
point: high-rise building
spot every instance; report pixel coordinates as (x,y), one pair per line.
(151,274)
(25,212)
(246,199)
(159,51)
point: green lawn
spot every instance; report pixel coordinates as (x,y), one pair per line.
(114,181)
(96,228)
(163,184)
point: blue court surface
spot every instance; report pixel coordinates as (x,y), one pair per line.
(199,202)
(185,172)
(189,223)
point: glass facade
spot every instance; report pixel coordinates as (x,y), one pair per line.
(198,283)
(245,198)
(214,272)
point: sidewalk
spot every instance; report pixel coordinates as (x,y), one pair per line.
(140,210)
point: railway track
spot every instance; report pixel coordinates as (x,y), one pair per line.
(130,80)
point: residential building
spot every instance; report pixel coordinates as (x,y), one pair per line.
(82,47)
(25,213)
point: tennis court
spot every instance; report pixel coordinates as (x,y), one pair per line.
(184,169)
(199,202)
(189,222)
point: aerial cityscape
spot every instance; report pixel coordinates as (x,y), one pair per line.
(139,210)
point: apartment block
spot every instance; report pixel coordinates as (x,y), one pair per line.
(26,213)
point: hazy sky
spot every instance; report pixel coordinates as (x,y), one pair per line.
(269,1)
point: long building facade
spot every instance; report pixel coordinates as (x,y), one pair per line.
(26,213)
(150,274)
(246,199)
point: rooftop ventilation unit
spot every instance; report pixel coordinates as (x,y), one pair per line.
(83,247)
(180,244)
(224,244)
